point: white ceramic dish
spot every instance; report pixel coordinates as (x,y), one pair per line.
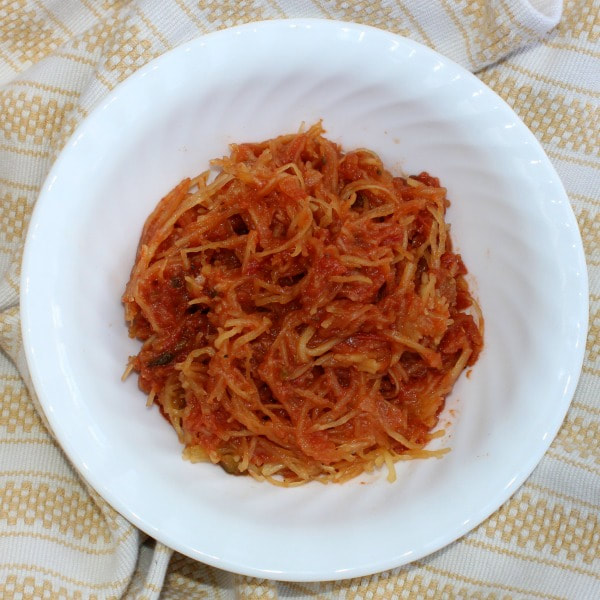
(510,218)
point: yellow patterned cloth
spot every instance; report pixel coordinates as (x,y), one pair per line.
(58,58)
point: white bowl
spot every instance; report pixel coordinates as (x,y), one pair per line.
(510,219)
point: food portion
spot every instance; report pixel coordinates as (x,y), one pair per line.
(303,315)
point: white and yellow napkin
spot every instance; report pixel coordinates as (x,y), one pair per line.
(58,58)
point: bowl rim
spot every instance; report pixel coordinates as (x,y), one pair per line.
(26,309)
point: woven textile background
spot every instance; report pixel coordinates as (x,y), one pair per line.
(58,58)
